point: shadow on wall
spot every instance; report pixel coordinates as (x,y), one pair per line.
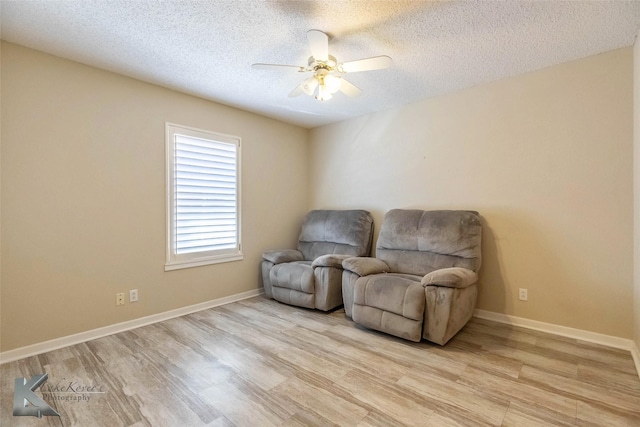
(378,217)
(491,275)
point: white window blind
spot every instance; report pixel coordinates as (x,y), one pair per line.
(204,225)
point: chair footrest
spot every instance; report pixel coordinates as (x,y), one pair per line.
(398,294)
(293,297)
(390,323)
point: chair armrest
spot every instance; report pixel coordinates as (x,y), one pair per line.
(330,260)
(363,266)
(454,277)
(283,255)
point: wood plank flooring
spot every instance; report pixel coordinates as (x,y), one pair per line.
(261,363)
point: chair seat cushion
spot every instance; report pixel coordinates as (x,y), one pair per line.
(297,276)
(400,294)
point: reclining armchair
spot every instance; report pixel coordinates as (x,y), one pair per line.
(311,276)
(422,283)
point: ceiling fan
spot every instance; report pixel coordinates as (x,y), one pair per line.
(327,71)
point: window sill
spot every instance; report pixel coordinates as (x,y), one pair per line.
(178,265)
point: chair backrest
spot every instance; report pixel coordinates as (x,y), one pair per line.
(347,232)
(418,242)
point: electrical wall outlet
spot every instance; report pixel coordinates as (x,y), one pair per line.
(133,295)
(523,294)
(120,298)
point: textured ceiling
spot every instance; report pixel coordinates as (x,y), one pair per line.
(207,48)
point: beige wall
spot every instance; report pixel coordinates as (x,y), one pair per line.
(636,187)
(0,196)
(545,157)
(83,196)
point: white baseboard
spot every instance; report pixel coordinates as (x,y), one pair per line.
(592,337)
(57,343)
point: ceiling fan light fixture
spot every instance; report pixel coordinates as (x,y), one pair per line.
(328,84)
(310,85)
(323,93)
(332,83)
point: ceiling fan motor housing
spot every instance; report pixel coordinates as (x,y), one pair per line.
(330,64)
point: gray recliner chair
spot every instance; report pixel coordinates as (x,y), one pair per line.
(311,276)
(422,283)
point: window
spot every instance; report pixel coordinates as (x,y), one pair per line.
(203,197)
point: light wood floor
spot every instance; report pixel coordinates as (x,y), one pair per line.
(262,363)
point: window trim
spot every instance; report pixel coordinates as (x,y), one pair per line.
(179,261)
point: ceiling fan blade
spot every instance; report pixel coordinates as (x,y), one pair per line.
(307,86)
(375,63)
(319,44)
(349,88)
(277,67)
(297,91)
